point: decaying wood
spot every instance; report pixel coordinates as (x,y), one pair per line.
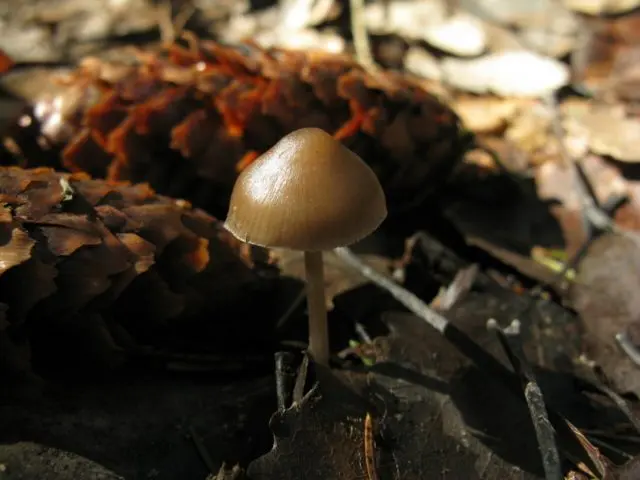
(100,266)
(188,119)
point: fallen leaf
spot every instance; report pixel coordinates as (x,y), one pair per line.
(531,133)
(517,13)
(606,61)
(407,18)
(556,39)
(600,7)
(460,34)
(302,39)
(32,460)
(606,129)
(420,62)
(555,182)
(605,295)
(298,14)
(516,73)
(486,114)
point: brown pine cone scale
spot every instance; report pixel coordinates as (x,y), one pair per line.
(90,269)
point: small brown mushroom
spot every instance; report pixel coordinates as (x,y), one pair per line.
(307,193)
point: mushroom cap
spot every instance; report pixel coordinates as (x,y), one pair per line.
(308,192)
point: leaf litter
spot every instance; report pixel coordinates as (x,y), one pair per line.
(519,206)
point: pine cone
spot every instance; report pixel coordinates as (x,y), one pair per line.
(187,120)
(90,269)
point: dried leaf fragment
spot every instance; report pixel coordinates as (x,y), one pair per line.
(514,73)
(607,130)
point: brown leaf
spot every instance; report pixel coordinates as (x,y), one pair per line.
(607,130)
(486,114)
(607,61)
(605,296)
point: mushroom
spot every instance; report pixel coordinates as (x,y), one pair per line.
(308,193)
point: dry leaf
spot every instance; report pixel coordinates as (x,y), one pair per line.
(607,60)
(519,13)
(530,132)
(605,129)
(459,34)
(407,18)
(599,7)
(486,114)
(299,14)
(515,73)
(556,182)
(420,62)
(303,39)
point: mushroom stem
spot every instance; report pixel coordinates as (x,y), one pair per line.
(316,304)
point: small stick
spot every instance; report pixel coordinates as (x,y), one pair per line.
(533,395)
(628,347)
(202,450)
(362,333)
(301,379)
(601,382)
(285,379)
(360,36)
(408,299)
(284,318)
(369,454)
(458,288)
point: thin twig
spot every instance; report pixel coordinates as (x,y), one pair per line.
(285,379)
(297,301)
(202,450)
(361,36)
(362,333)
(301,380)
(408,299)
(602,444)
(602,383)
(457,289)
(170,28)
(628,347)
(545,433)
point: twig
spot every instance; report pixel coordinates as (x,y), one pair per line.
(301,380)
(457,289)
(170,29)
(602,444)
(369,454)
(602,383)
(362,333)
(408,299)
(285,378)
(360,36)
(284,318)
(533,396)
(628,347)
(202,450)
